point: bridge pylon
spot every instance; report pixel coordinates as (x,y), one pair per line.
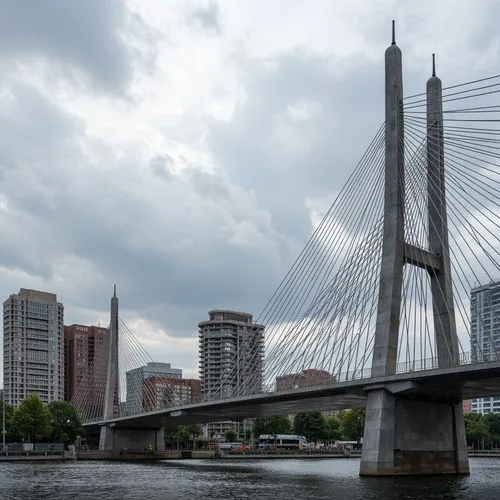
(112,389)
(407,429)
(117,437)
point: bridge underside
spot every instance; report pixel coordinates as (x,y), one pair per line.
(205,413)
(447,386)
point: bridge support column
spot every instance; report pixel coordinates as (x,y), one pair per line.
(133,440)
(106,441)
(160,440)
(412,437)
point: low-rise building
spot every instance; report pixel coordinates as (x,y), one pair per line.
(306,378)
(161,392)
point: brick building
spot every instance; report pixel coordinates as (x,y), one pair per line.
(306,378)
(160,392)
(83,350)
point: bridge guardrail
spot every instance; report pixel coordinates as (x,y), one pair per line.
(426,364)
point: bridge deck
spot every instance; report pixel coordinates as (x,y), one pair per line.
(456,383)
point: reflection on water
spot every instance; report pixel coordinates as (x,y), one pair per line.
(252,479)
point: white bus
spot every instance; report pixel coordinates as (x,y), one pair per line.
(282,441)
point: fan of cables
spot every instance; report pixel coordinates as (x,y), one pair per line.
(136,389)
(471,145)
(320,322)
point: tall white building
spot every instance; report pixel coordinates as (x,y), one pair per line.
(231,359)
(485,335)
(135,382)
(33,346)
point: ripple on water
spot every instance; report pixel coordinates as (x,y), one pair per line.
(249,479)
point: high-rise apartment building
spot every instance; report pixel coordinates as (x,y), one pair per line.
(135,383)
(485,335)
(84,349)
(231,359)
(33,346)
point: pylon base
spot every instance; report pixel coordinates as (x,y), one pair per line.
(136,440)
(412,437)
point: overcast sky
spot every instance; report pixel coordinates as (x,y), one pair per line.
(183,149)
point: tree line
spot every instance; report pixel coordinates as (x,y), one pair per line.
(482,431)
(184,436)
(347,425)
(33,421)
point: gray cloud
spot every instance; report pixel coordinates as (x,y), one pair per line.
(176,236)
(298,133)
(84,36)
(189,240)
(207,16)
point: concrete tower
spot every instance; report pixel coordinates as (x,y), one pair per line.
(407,429)
(112,392)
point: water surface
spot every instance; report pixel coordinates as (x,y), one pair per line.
(249,479)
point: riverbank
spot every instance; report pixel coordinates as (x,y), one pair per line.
(293,456)
(189,455)
(203,455)
(136,455)
(37,457)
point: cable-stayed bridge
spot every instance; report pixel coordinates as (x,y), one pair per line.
(378,302)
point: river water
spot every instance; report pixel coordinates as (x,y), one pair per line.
(252,479)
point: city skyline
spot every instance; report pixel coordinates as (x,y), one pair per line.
(34,327)
(180,181)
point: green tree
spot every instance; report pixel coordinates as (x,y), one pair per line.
(31,420)
(476,429)
(9,410)
(259,427)
(493,422)
(277,424)
(195,431)
(311,425)
(352,424)
(66,423)
(332,430)
(231,436)
(183,435)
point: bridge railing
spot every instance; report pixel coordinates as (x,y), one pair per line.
(464,358)
(427,364)
(433,363)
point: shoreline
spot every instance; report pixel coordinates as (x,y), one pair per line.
(192,455)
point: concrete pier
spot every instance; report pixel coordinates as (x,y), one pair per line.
(132,439)
(406,436)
